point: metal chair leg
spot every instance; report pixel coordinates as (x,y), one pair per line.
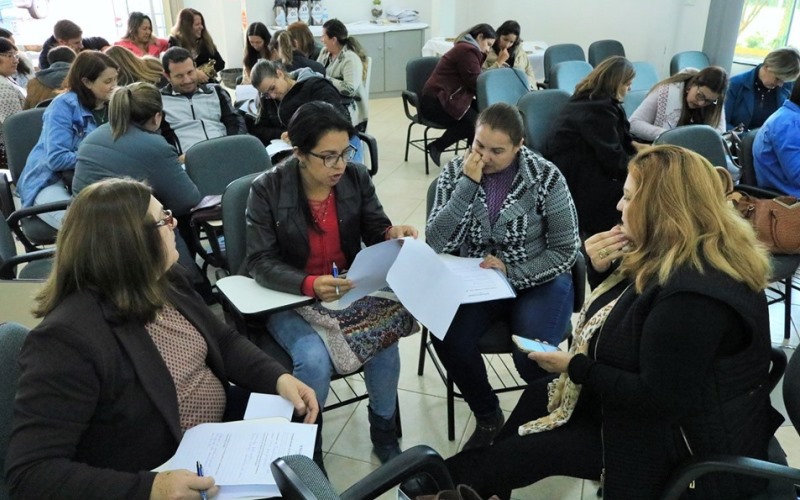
(451,410)
(408,139)
(787,304)
(422,351)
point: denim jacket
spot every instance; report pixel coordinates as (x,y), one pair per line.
(66,123)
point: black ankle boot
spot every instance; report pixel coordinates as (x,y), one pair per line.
(383,433)
(486,428)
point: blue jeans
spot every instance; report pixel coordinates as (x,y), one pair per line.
(542,312)
(49,194)
(313,365)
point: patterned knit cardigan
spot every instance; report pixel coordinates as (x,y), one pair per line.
(536,232)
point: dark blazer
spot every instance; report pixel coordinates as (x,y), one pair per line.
(591,145)
(96,407)
(277,231)
(299,60)
(741,96)
(454,81)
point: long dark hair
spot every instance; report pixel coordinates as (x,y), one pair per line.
(508,28)
(713,77)
(334,28)
(183,32)
(251,55)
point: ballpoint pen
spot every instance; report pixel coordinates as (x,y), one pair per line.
(335,273)
(203,494)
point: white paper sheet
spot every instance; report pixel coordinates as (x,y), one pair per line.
(268,406)
(369,270)
(276,146)
(480,285)
(238,454)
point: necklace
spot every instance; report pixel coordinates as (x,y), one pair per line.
(319,209)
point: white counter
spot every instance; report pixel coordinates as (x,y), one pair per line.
(365,28)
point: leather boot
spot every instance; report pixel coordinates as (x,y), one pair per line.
(383,434)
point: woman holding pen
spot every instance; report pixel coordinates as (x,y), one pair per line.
(306,220)
(126,359)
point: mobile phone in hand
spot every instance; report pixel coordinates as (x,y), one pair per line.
(528,345)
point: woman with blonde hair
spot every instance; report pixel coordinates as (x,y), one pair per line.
(126,359)
(133,68)
(345,65)
(190,33)
(304,40)
(688,98)
(591,143)
(139,38)
(671,356)
(130,145)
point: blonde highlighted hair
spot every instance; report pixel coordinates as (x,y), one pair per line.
(678,216)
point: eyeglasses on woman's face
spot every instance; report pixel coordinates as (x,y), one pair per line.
(702,100)
(167,220)
(332,160)
(10,55)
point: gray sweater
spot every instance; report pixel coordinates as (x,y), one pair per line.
(536,233)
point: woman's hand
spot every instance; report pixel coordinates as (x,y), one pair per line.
(473,166)
(181,483)
(327,288)
(492,262)
(396,232)
(552,362)
(606,247)
(300,395)
(285,138)
(201,77)
(502,57)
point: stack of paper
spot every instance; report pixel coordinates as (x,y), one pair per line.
(398,15)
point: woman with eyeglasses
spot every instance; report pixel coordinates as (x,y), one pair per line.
(47,176)
(690,97)
(126,359)
(305,218)
(12,97)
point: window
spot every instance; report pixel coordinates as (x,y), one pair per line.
(767,25)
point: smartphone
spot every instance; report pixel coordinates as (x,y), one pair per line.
(528,345)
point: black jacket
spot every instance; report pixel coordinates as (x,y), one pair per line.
(591,145)
(90,43)
(277,230)
(273,117)
(301,61)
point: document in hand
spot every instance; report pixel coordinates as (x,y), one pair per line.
(238,454)
(277,146)
(429,285)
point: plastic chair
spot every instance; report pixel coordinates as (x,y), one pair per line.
(632,101)
(496,340)
(38,263)
(417,73)
(603,49)
(688,59)
(701,139)
(560,52)
(646,76)
(299,478)
(539,110)
(12,336)
(566,75)
(501,85)
(782,477)
(21,131)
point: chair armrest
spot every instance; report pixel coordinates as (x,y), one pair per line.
(694,469)
(7,267)
(372,146)
(410,99)
(22,213)
(248,297)
(756,191)
(417,460)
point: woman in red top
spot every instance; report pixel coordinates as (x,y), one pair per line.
(140,39)
(448,97)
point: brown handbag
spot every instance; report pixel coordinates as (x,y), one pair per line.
(775,220)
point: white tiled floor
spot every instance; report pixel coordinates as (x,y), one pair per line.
(401,187)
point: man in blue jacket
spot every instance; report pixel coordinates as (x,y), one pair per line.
(776,150)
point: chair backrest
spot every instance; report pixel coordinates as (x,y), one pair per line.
(215,163)
(12,336)
(746,158)
(539,109)
(701,139)
(566,75)
(501,85)
(632,101)
(646,76)
(603,49)
(299,478)
(234,204)
(418,71)
(21,132)
(688,59)
(560,52)
(8,250)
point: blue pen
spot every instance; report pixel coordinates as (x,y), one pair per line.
(335,273)
(203,494)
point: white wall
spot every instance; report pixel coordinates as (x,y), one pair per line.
(650,30)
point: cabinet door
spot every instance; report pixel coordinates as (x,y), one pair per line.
(401,47)
(373,47)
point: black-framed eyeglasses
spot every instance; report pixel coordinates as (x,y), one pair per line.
(10,55)
(168,219)
(331,160)
(705,101)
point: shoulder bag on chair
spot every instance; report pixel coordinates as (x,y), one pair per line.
(355,334)
(775,220)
